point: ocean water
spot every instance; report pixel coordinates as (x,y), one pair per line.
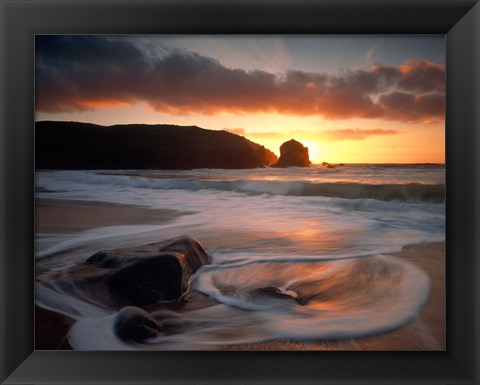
(321,236)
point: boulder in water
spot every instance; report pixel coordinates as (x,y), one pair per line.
(104,260)
(293,154)
(152,273)
(269,291)
(276,293)
(133,323)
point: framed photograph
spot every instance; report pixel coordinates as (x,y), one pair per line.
(265,192)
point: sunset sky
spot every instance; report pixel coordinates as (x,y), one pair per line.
(351,99)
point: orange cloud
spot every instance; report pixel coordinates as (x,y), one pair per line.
(353,134)
(76,73)
(280,134)
(322,135)
(104,103)
(238,131)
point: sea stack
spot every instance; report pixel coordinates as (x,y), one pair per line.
(293,154)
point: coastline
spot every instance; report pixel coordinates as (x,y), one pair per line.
(427,332)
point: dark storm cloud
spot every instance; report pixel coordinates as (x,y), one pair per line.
(410,107)
(87,72)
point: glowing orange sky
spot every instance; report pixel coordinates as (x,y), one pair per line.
(408,142)
(379,105)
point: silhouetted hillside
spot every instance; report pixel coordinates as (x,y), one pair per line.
(74,145)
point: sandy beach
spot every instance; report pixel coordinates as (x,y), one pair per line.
(427,332)
(68,216)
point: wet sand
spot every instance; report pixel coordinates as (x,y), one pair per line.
(68,216)
(427,332)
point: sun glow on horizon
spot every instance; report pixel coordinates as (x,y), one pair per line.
(418,145)
(314,150)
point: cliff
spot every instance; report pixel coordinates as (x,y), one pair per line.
(74,145)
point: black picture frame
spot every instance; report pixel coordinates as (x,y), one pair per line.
(459,20)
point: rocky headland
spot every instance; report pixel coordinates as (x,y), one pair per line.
(85,146)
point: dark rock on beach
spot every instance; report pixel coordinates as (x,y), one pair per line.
(329,165)
(84,146)
(150,280)
(133,323)
(51,330)
(293,154)
(152,273)
(269,291)
(104,260)
(275,293)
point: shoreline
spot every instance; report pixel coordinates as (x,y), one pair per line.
(427,332)
(63,216)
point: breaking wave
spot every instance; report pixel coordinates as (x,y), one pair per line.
(404,192)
